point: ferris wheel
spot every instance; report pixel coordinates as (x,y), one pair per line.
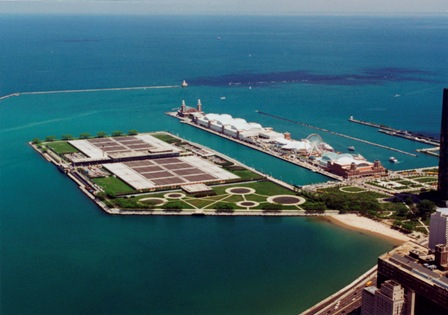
(315,141)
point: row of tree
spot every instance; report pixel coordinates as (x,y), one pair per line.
(86,135)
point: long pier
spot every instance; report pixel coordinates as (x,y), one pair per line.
(91,90)
(337,134)
(397,133)
(306,165)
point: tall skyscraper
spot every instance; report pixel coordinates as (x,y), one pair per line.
(443,159)
(438,228)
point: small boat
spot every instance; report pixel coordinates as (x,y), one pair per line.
(393,159)
(184,83)
(351,148)
(223,97)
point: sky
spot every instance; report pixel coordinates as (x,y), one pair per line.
(225,7)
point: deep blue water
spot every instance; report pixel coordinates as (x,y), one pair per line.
(60,254)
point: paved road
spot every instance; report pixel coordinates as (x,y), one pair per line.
(346,300)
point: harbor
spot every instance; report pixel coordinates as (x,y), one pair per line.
(339,134)
(310,153)
(397,132)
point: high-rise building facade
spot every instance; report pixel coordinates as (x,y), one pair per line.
(443,159)
(441,256)
(438,228)
(413,267)
(390,299)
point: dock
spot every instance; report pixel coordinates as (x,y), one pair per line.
(337,134)
(397,132)
(430,151)
(297,162)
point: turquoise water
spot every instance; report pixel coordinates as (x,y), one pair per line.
(60,254)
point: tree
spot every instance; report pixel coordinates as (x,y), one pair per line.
(50,138)
(36,141)
(132,132)
(84,135)
(272,207)
(117,133)
(409,200)
(67,137)
(401,210)
(225,206)
(425,208)
(173,205)
(101,134)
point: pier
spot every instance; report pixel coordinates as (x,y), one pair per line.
(337,134)
(430,151)
(397,133)
(298,162)
(90,90)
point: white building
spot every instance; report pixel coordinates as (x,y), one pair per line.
(438,228)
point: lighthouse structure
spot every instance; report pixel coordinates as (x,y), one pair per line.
(185,111)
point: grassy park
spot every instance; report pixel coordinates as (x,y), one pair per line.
(61,147)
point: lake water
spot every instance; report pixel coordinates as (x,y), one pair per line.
(60,254)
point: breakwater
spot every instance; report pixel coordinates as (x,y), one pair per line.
(91,90)
(397,132)
(336,133)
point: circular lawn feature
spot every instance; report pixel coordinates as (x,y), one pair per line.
(352,189)
(153,201)
(247,204)
(240,191)
(289,200)
(174,196)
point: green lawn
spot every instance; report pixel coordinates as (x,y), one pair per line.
(426,179)
(352,189)
(245,174)
(61,147)
(263,190)
(113,185)
(165,137)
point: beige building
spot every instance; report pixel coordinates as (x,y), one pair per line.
(390,299)
(415,269)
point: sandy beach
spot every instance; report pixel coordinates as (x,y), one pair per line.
(359,223)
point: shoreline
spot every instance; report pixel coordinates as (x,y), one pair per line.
(361,224)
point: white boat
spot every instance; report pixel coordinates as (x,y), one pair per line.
(184,83)
(223,97)
(351,148)
(393,159)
